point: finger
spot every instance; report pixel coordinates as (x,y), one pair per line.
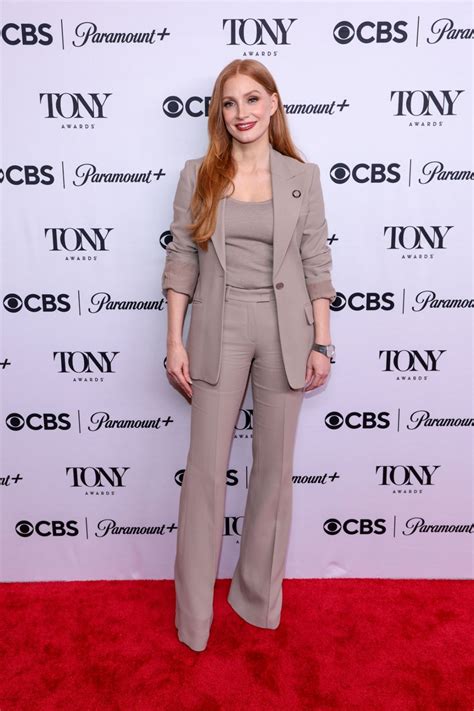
(179,380)
(183,382)
(185,387)
(318,381)
(186,373)
(183,379)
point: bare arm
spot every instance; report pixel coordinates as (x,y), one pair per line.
(177,307)
(177,361)
(321,313)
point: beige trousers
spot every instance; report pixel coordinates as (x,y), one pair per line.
(251,348)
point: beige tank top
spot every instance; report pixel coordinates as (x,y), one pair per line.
(249,243)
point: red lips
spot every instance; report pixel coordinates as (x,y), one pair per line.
(245,126)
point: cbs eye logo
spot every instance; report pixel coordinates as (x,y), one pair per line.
(179,477)
(364,301)
(38,421)
(355,526)
(173,106)
(27,175)
(26,529)
(165,238)
(368,32)
(26,34)
(33,303)
(361,173)
(357,420)
(195,106)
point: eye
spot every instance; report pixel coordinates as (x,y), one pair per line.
(252,98)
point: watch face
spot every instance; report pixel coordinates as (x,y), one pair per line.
(327,350)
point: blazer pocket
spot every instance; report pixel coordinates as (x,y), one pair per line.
(308,309)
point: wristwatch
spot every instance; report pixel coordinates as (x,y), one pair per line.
(329,350)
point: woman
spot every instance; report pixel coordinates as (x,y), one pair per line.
(256,265)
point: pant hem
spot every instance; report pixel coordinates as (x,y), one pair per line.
(248,617)
(194,634)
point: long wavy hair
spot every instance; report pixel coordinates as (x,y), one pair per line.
(218,168)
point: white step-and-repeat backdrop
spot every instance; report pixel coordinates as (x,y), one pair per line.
(102,104)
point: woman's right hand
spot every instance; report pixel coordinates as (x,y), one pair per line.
(177,367)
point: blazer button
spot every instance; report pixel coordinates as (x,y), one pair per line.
(280,285)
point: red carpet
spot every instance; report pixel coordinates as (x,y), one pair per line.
(343,644)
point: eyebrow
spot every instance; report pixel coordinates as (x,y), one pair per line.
(254,91)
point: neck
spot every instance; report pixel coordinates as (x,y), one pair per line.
(252,157)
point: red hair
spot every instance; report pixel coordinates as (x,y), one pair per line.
(217,168)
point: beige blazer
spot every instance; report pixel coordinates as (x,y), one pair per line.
(301,267)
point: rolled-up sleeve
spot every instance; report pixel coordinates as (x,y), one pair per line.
(315,251)
(181,269)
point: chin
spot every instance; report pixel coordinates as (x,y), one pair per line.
(248,139)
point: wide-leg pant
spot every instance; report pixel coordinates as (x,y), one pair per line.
(251,347)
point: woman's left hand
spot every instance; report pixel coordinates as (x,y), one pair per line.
(318,367)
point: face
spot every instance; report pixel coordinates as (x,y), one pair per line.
(246,108)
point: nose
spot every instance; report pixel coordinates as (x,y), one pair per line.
(241,116)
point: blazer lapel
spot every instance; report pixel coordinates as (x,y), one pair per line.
(287,176)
